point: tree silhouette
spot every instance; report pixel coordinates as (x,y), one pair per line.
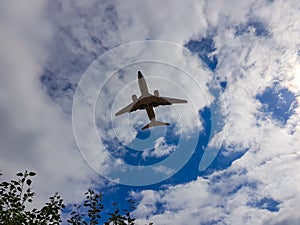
(15,195)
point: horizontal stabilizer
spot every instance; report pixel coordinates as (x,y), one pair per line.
(174,100)
(155,124)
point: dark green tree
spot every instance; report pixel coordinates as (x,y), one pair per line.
(123,217)
(89,211)
(17,194)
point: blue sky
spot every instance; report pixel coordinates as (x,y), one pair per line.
(237,63)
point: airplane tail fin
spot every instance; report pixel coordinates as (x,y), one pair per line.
(155,124)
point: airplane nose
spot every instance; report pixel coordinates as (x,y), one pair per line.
(140,75)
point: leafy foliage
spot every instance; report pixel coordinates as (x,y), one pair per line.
(116,218)
(90,209)
(89,213)
(17,194)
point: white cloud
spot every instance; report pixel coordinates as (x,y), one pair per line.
(161,148)
(161,20)
(43,132)
(35,134)
(269,169)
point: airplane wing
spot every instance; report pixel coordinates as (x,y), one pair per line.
(170,101)
(127,109)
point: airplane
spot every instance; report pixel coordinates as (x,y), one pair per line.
(149,102)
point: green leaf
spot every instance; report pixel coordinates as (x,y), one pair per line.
(19,189)
(4,184)
(32,174)
(20,174)
(28,182)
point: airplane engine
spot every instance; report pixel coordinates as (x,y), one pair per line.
(134,98)
(156,93)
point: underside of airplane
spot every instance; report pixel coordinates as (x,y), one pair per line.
(148,102)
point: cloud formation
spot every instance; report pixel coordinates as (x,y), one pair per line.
(256,44)
(249,61)
(35,134)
